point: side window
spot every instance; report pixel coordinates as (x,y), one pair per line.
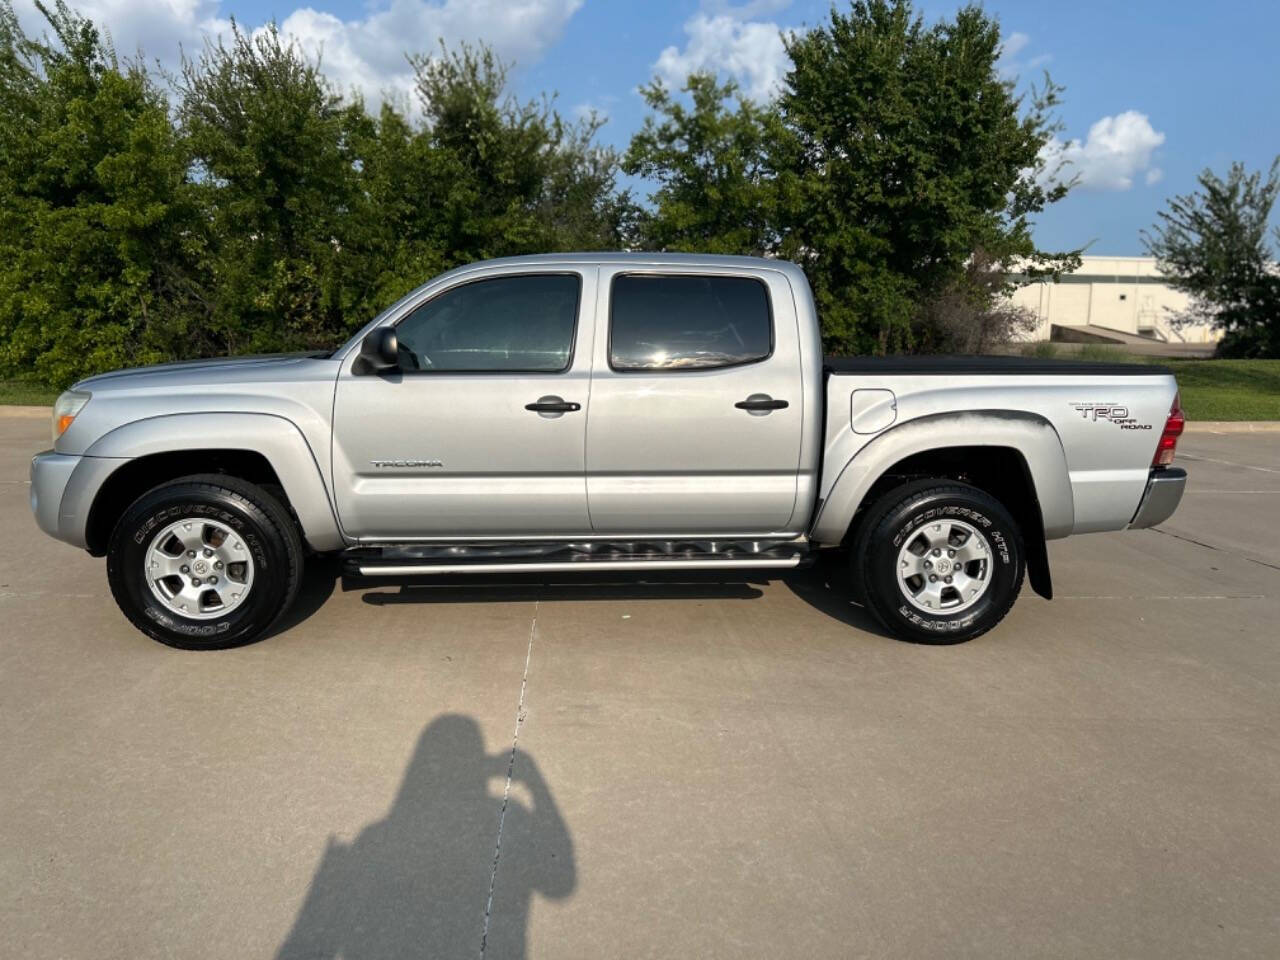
(687,322)
(518,323)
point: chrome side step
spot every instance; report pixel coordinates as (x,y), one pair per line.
(565,566)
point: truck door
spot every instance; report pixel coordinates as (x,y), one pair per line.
(481,431)
(696,405)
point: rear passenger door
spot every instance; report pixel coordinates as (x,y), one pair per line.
(696,412)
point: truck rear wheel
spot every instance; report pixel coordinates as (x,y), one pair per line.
(938,561)
(204,562)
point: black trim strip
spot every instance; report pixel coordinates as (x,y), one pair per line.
(923,365)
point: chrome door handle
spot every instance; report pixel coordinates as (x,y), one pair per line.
(761,403)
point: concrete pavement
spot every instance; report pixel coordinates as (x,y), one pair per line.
(719,767)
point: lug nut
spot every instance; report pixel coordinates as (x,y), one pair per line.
(937,552)
(213,580)
(184,569)
(928,565)
(195,581)
(208,552)
(951,553)
(217,565)
(933,578)
(947,580)
(191,553)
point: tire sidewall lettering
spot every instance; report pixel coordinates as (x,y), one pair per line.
(240,621)
(902,521)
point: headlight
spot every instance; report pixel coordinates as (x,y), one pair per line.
(65,411)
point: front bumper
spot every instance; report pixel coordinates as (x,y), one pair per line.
(63,488)
(1161,498)
(50,474)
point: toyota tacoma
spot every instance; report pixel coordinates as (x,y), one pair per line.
(619,412)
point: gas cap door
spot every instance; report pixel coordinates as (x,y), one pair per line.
(873,410)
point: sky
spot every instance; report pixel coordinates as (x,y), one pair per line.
(1156,90)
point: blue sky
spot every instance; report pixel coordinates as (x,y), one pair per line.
(1155,91)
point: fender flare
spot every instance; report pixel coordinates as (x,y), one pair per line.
(1031,435)
(272,436)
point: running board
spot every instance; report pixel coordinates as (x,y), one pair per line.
(426,559)
(565,566)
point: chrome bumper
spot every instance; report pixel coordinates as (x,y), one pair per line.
(1161,498)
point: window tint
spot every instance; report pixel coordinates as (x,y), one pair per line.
(688,322)
(507,323)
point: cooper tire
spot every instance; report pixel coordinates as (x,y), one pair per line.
(911,513)
(247,513)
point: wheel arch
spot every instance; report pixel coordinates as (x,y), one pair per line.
(1017,458)
(261,448)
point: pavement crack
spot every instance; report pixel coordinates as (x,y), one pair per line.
(1216,549)
(1228,463)
(506,790)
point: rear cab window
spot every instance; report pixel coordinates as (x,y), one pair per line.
(683,322)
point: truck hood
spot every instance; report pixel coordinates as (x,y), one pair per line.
(213,369)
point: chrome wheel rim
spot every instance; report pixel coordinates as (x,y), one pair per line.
(944,566)
(199,569)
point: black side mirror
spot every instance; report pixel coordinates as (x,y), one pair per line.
(379,351)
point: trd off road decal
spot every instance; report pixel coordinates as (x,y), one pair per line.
(1109,413)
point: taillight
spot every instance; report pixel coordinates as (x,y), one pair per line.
(1169,438)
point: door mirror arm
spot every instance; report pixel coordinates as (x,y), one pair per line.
(379,352)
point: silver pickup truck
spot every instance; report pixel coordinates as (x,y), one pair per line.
(620,412)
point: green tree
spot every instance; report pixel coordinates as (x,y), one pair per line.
(715,191)
(95,211)
(903,152)
(276,171)
(1213,244)
(512,176)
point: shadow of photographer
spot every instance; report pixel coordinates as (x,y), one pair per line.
(450,870)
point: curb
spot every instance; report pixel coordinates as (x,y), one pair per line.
(1233,426)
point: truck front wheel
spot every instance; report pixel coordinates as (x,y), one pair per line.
(204,562)
(938,561)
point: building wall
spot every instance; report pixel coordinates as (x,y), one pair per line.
(1119,293)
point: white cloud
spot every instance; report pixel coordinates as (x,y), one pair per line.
(157,28)
(1116,150)
(1010,64)
(724,40)
(367,54)
(1013,46)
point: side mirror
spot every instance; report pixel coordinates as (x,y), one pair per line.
(379,351)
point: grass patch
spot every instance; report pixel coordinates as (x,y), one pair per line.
(1041,350)
(1228,389)
(1102,353)
(1211,389)
(26,393)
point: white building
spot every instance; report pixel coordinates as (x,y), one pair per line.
(1124,295)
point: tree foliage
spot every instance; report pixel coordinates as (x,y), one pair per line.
(244,205)
(715,191)
(1213,244)
(93,198)
(895,157)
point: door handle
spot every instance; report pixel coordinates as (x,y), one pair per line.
(761,403)
(552,405)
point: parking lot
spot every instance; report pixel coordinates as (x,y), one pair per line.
(711,768)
